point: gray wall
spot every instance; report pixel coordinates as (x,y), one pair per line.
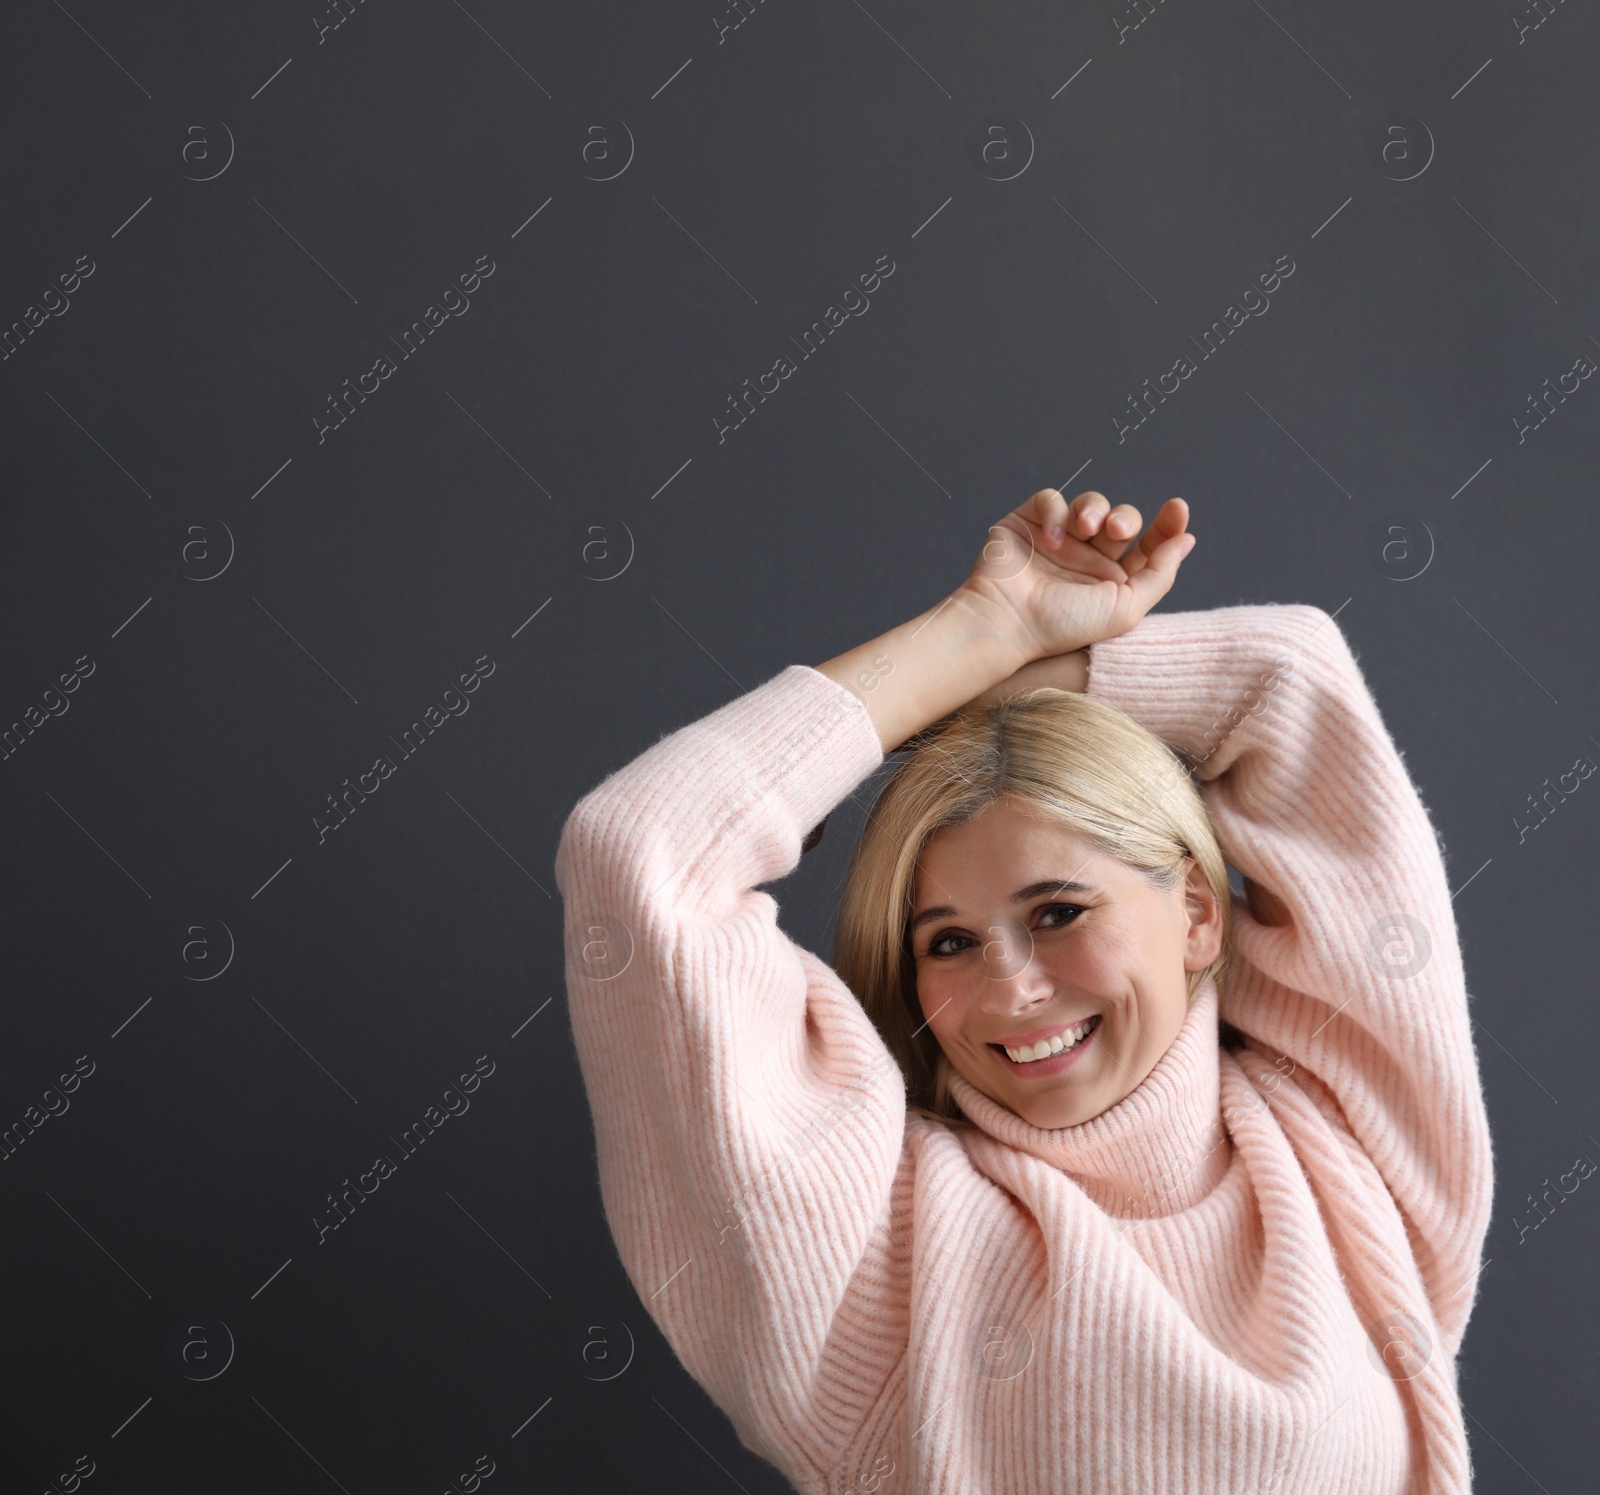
(258,604)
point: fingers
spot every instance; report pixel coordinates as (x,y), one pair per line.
(1091,518)
(1113,531)
(1062,535)
(1172,519)
(1083,518)
(1154,579)
(1050,514)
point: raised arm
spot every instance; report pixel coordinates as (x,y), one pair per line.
(1347,959)
(748,1118)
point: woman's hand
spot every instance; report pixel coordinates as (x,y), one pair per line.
(1068,575)
(1054,579)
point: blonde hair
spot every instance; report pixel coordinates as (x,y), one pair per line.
(1077,762)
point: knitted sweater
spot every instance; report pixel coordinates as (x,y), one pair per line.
(1251,1274)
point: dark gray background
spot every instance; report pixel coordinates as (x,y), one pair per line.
(552,453)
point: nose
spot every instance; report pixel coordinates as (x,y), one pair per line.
(1016,980)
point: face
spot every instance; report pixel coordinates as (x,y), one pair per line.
(1033,934)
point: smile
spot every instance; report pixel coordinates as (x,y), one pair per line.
(1053,1054)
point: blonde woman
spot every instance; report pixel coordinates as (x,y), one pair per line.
(1073,1170)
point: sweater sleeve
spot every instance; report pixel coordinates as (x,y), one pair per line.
(749,1119)
(1346,959)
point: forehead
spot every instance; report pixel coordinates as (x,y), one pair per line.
(1007,843)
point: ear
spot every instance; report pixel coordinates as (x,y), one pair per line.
(1203,942)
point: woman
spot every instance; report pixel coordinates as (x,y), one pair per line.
(1076,1172)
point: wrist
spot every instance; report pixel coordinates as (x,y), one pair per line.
(993,617)
(930,665)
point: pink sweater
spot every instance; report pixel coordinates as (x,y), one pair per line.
(1252,1274)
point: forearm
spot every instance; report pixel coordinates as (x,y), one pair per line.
(1063,671)
(1203,681)
(931,665)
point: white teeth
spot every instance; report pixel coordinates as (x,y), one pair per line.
(1048,1046)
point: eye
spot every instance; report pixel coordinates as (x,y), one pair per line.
(941,948)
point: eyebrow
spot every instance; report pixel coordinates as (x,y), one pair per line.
(1022,895)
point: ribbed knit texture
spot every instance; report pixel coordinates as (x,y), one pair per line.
(1252,1274)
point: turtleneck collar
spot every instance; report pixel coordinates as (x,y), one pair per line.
(1161,1149)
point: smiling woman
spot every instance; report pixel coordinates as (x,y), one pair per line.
(1072,1171)
(1128,916)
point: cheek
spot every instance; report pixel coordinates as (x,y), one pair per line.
(934,987)
(1099,955)
(945,997)
(950,1031)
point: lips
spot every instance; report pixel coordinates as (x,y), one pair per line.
(1035,1035)
(1056,1062)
